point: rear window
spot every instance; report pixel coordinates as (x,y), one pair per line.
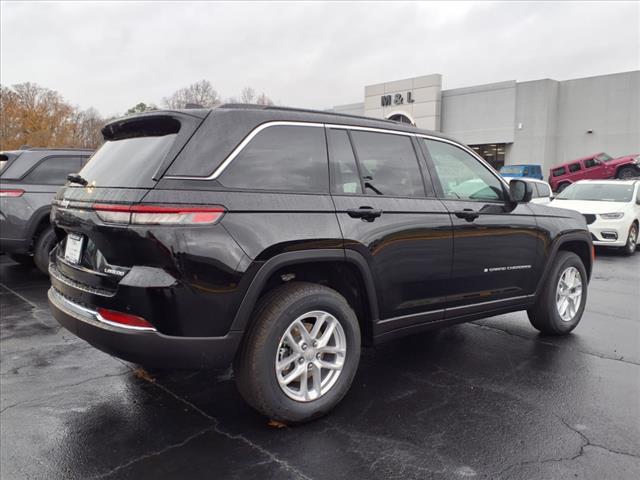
(132,153)
(53,170)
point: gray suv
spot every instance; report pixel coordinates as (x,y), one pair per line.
(29,179)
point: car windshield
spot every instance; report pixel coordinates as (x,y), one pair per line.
(597,192)
(511,169)
(603,157)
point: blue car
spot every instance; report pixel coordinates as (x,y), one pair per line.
(529,170)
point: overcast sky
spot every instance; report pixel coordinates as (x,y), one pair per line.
(112,55)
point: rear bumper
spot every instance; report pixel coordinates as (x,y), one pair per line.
(149,348)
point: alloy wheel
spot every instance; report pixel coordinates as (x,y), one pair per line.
(310,356)
(569,293)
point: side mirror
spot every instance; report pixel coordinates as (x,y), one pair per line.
(520,191)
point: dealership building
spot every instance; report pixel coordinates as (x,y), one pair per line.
(542,121)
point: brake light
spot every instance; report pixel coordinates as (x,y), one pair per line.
(159,214)
(11,193)
(124,319)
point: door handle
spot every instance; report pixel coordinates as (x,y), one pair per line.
(467,214)
(368,214)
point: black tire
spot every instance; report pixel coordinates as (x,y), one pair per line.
(544,315)
(42,248)
(22,259)
(632,240)
(626,173)
(562,186)
(255,363)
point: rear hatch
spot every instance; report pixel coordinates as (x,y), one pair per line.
(136,152)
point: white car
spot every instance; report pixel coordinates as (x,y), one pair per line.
(611,208)
(541,189)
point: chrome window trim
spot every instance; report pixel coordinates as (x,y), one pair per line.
(236,151)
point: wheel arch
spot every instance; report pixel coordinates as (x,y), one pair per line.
(575,242)
(345,271)
(38,222)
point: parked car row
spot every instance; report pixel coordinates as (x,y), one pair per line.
(29,179)
(599,166)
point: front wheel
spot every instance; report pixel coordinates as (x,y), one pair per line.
(561,303)
(632,240)
(301,353)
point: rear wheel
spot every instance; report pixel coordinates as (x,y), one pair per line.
(561,187)
(22,259)
(626,173)
(561,303)
(300,356)
(42,248)
(632,240)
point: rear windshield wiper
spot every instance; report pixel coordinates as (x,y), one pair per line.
(76,178)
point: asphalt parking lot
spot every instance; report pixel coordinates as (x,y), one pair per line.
(492,399)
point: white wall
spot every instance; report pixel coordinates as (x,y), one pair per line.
(482,114)
(609,105)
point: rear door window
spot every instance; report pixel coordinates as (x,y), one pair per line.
(53,170)
(388,164)
(574,167)
(559,172)
(343,169)
(289,158)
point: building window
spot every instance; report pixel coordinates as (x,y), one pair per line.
(492,153)
(399,117)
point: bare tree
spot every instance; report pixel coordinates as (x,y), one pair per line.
(248,95)
(264,100)
(199,93)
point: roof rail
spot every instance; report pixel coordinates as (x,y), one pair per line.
(250,106)
(58,149)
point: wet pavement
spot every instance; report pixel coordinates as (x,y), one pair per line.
(491,399)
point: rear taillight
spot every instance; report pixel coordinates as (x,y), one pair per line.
(11,193)
(124,319)
(159,214)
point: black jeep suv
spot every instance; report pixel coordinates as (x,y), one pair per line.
(29,179)
(280,239)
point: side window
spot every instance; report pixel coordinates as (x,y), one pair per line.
(388,164)
(544,190)
(285,158)
(558,172)
(536,190)
(574,167)
(462,176)
(590,163)
(342,163)
(53,170)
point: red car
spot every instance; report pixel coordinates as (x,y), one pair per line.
(594,167)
